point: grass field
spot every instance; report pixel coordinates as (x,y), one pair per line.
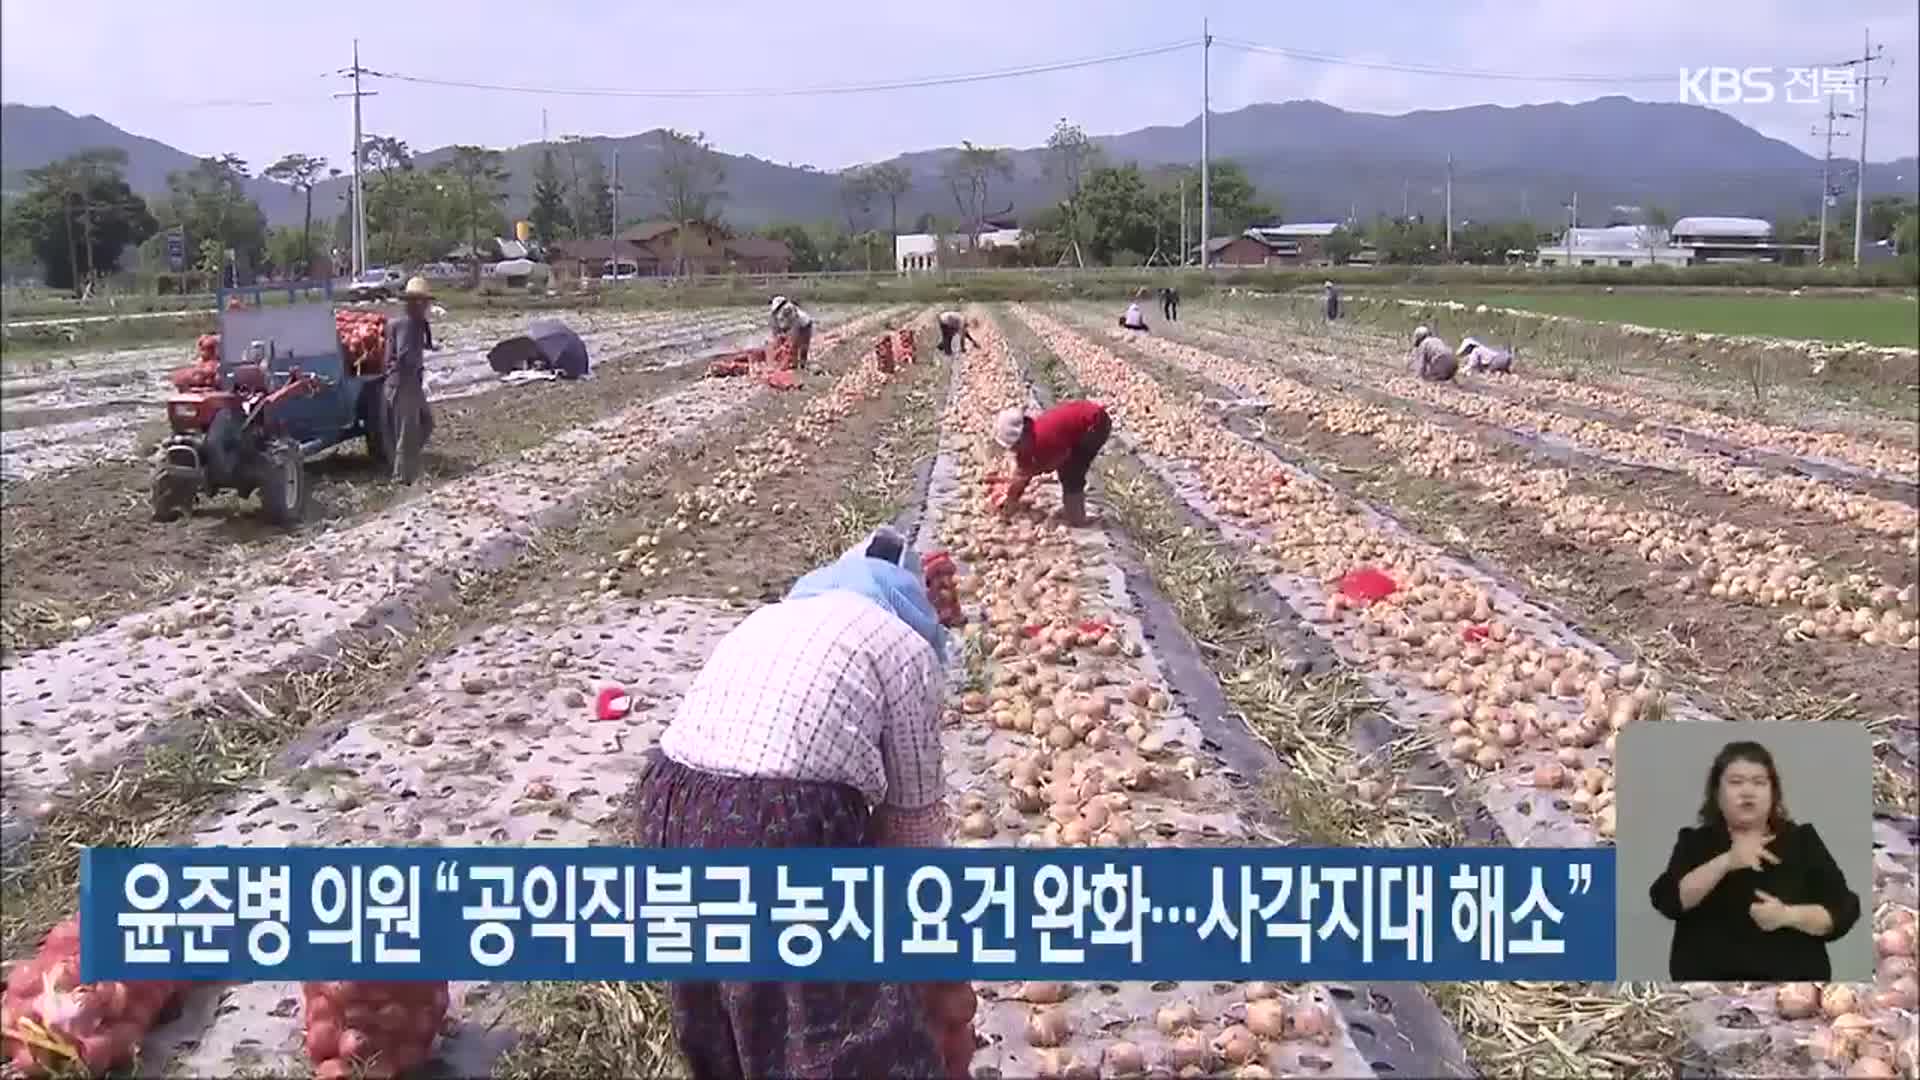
(1881,320)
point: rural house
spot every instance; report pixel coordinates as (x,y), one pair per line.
(663,247)
(922,252)
(1305,242)
(1271,245)
(1693,241)
(1242,250)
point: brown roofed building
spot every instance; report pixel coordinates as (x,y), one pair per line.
(663,247)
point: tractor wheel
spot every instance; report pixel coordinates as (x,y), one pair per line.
(174,490)
(373,416)
(283,482)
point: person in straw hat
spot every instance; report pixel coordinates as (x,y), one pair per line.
(405,415)
(1064,439)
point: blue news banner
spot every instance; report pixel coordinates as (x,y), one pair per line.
(893,915)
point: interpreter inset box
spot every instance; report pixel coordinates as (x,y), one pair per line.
(1745,852)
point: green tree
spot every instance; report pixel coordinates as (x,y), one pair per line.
(1236,204)
(288,251)
(78,216)
(549,215)
(799,241)
(1906,235)
(300,172)
(1408,242)
(1884,213)
(856,192)
(688,184)
(1070,157)
(477,174)
(970,174)
(597,198)
(1341,246)
(210,202)
(891,181)
(1119,213)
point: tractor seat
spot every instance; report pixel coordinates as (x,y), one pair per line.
(251,378)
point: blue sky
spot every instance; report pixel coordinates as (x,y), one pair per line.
(152,69)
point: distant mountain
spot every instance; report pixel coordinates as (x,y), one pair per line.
(1316,161)
(32,136)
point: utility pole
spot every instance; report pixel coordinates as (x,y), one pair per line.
(1449,207)
(1865,63)
(1405,186)
(359,153)
(1206,189)
(613,227)
(1573,222)
(1826,174)
(1184,248)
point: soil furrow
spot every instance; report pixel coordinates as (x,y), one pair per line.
(81,549)
(1499,755)
(95,698)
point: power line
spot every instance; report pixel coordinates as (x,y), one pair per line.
(803,91)
(1449,72)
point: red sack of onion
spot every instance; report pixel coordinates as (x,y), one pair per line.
(51,1023)
(371,1029)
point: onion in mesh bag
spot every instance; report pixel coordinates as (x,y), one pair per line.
(50,1022)
(381,1028)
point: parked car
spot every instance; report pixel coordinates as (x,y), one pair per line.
(377,283)
(626,271)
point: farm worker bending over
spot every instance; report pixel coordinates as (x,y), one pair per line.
(954,325)
(1066,439)
(790,320)
(1432,360)
(405,414)
(1133,319)
(814,724)
(1481,358)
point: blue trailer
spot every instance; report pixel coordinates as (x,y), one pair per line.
(283,392)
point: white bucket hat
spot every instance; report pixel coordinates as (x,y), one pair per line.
(1008,427)
(778,303)
(1420,334)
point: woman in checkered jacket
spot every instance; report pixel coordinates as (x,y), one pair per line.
(816,723)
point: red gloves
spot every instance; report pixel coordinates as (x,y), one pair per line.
(941,578)
(950,1008)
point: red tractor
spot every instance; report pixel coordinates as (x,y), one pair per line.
(275,389)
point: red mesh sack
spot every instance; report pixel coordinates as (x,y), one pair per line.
(52,1023)
(783,353)
(905,344)
(1368,584)
(371,1029)
(942,579)
(883,354)
(197,377)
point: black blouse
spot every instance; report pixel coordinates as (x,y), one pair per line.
(1718,941)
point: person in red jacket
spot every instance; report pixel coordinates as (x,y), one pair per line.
(1064,439)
